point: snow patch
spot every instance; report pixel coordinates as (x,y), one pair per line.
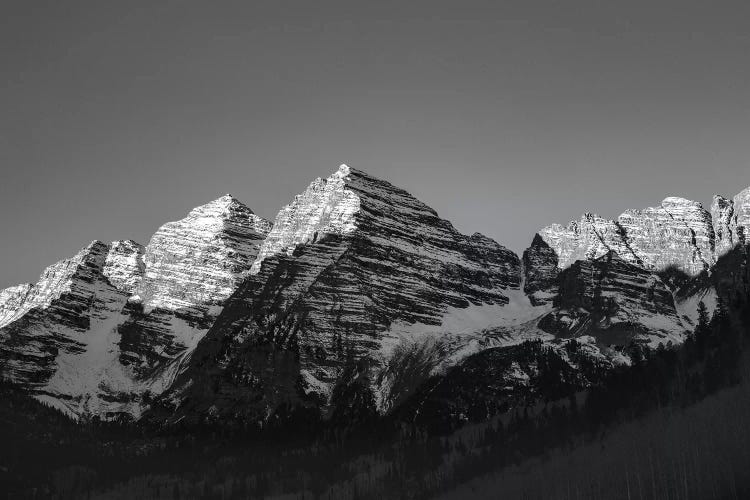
(462,333)
(688,308)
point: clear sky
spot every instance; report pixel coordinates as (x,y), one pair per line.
(116,117)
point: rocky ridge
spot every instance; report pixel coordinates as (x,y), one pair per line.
(677,236)
(663,257)
(70,337)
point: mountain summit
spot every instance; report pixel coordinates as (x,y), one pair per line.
(355,276)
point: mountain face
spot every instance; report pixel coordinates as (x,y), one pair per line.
(497,379)
(199,260)
(677,235)
(81,336)
(192,267)
(615,302)
(355,274)
(678,241)
(55,335)
(731,221)
(358,300)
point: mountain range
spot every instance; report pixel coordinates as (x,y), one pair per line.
(358,299)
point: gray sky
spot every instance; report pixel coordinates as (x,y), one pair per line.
(503,116)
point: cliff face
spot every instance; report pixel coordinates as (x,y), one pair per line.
(70,276)
(124,266)
(541,263)
(674,246)
(354,270)
(676,235)
(192,266)
(615,302)
(12,300)
(731,221)
(679,236)
(198,260)
(101,330)
(55,342)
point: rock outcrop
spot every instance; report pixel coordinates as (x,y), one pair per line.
(541,270)
(12,301)
(742,210)
(724,224)
(615,302)
(124,266)
(678,234)
(731,221)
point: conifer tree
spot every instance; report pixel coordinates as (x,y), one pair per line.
(721,313)
(702,329)
(720,322)
(702,316)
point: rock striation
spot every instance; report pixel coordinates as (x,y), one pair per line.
(124,266)
(12,301)
(731,221)
(325,207)
(353,270)
(675,246)
(198,260)
(59,319)
(678,235)
(192,266)
(741,204)
(101,331)
(615,302)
